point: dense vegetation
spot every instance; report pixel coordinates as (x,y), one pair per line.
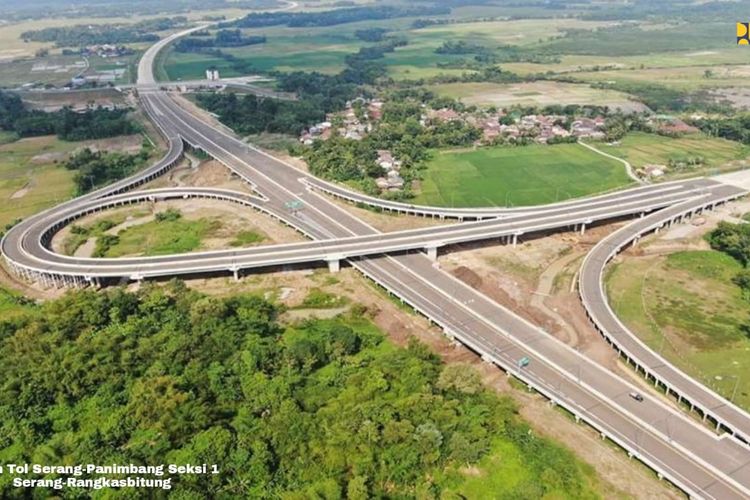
(223,38)
(324,409)
(69,125)
(250,114)
(96,168)
(734,128)
(333,17)
(734,240)
(84,34)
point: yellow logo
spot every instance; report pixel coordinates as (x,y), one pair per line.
(743,33)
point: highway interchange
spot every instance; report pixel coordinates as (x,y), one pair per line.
(675,443)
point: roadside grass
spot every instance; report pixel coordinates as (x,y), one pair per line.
(30,177)
(641,148)
(685,306)
(13,304)
(523,175)
(506,468)
(274,141)
(81,233)
(247,238)
(163,237)
(321,299)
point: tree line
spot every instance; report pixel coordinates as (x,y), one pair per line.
(318,409)
(82,35)
(223,38)
(69,125)
(734,240)
(334,17)
(95,169)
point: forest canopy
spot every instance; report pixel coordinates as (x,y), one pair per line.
(69,125)
(318,409)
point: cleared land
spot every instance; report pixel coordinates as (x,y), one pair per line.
(31,176)
(164,237)
(524,175)
(685,306)
(686,78)
(532,94)
(640,148)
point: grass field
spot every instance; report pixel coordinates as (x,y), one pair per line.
(581,62)
(686,78)
(30,179)
(685,306)
(13,304)
(246,238)
(324,49)
(524,175)
(640,148)
(164,237)
(530,93)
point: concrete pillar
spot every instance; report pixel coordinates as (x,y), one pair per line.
(432,252)
(583,227)
(334,265)
(515,239)
(236,273)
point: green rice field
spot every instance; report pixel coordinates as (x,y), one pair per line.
(523,175)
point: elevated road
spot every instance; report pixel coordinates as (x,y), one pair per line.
(594,298)
(699,461)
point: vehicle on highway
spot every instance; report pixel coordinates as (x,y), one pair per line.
(636,396)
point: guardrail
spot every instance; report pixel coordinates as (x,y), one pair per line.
(617,244)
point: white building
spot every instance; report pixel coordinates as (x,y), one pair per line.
(212,74)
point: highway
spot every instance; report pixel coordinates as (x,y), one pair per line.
(594,298)
(673,443)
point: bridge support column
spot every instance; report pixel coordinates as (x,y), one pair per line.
(583,227)
(236,273)
(432,252)
(334,265)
